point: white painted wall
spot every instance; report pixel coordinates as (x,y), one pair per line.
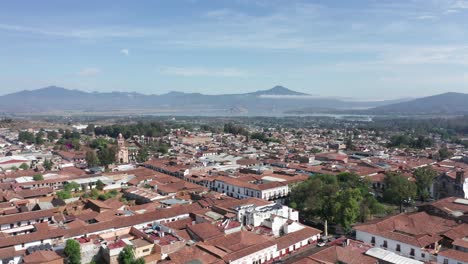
(392,245)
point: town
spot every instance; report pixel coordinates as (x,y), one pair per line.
(231,191)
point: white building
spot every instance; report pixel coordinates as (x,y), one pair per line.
(415,236)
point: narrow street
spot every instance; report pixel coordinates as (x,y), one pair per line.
(301,254)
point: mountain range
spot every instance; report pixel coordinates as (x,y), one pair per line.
(441,104)
(275,101)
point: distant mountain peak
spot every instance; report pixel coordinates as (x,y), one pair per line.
(277,90)
(51,88)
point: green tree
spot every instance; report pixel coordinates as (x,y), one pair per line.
(424,177)
(100,143)
(91,158)
(90,129)
(352,180)
(39,139)
(142,155)
(127,256)
(314,197)
(71,186)
(100,185)
(64,195)
(75,143)
(369,207)
(52,135)
(24,166)
(26,137)
(349,143)
(398,190)
(347,207)
(139,261)
(340,199)
(444,153)
(38,177)
(107,155)
(94,194)
(72,251)
(48,164)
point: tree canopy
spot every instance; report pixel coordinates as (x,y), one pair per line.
(403,140)
(147,129)
(26,137)
(399,190)
(38,177)
(24,166)
(342,199)
(72,251)
(107,155)
(127,256)
(48,164)
(91,158)
(424,177)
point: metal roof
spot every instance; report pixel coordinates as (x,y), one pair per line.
(390,257)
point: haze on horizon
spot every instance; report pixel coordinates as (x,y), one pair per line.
(361,49)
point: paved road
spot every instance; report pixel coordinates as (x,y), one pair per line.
(301,254)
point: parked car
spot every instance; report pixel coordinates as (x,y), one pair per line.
(321,243)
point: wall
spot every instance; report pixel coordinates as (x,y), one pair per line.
(262,255)
(391,246)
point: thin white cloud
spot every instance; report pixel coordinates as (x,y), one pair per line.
(460,4)
(85,33)
(451,11)
(85,72)
(125,52)
(203,72)
(425,17)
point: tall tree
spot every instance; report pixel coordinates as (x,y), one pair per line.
(107,155)
(398,189)
(347,207)
(90,129)
(72,251)
(369,207)
(349,143)
(52,135)
(40,138)
(91,158)
(48,164)
(314,198)
(26,137)
(444,153)
(100,185)
(424,177)
(142,155)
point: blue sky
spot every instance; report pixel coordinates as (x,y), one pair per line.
(372,49)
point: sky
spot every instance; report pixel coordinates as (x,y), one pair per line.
(373,49)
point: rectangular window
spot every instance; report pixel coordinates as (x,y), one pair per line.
(445,261)
(398,248)
(412,252)
(423,255)
(373,241)
(385,243)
